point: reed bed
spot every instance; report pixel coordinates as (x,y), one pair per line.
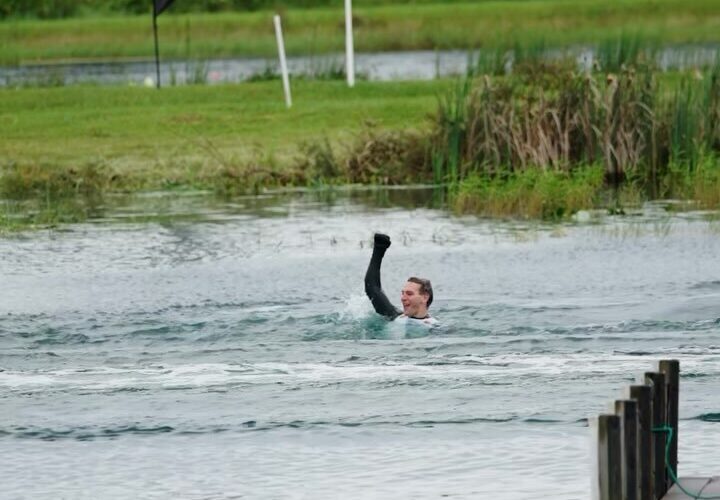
(662,139)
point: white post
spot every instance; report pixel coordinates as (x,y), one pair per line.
(349,50)
(283,62)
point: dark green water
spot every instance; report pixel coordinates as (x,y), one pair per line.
(181,347)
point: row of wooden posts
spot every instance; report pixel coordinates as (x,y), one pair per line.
(631,440)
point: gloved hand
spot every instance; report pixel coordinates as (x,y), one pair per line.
(382,240)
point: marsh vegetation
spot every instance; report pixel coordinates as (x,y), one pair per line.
(547,140)
(529,131)
(544,141)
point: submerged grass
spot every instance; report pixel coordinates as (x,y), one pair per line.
(700,184)
(20,215)
(44,181)
(39,195)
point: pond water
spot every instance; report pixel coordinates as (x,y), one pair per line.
(384,66)
(181,347)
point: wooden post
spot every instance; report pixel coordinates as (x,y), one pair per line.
(642,394)
(627,411)
(657,381)
(671,369)
(283,61)
(609,472)
(157,47)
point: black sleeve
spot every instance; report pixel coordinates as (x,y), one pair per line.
(373,289)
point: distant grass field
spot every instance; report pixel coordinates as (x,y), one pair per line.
(401,26)
(150,136)
(62,9)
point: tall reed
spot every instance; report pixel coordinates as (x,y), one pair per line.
(553,118)
(628,49)
(451,123)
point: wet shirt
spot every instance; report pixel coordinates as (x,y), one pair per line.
(428,321)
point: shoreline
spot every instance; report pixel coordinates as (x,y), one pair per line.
(511,145)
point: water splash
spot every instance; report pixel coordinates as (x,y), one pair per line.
(357,307)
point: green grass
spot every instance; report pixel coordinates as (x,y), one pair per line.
(532,193)
(154,138)
(377,28)
(57,9)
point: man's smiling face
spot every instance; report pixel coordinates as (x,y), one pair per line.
(414,303)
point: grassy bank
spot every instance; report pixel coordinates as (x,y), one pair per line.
(192,136)
(65,148)
(555,23)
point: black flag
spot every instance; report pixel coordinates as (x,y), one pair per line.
(159,7)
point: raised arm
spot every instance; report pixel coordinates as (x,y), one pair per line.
(373,289)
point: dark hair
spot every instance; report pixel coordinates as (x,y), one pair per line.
(425,287)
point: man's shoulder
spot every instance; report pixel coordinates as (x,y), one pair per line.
(428,320)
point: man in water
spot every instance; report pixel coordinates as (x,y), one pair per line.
(416,296)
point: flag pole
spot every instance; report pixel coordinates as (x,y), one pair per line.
(157,49)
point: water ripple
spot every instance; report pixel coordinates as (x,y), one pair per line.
(88,433)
